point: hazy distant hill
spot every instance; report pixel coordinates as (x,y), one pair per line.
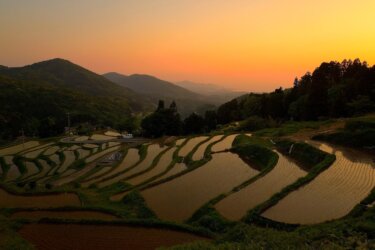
(203,88)
(213,93)
(37,98)
(187,101)
(150,85)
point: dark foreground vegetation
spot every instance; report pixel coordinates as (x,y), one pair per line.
(356,133)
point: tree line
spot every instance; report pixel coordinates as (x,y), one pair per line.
(333,90)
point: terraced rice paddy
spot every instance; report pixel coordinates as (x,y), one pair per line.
(189,146)
(55,158)
(13,173)
(101,237)
(51,150)
(33,154)
(45,168)
(131,158)
(99,137)
(80,215)
(224,144)
(32,169)
(8,159)
(112,133)
(179,141)
(179,198)
(199,154)
(161,166)
(83,153)
(90,146)
(18,148)
(100,172)
(235,206)
(8,200)
(69,159)
(101,154)
(177,168)
(330,195)
(152,151)
(82,138)
(73,175)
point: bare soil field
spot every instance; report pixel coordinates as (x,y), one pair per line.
(88,237)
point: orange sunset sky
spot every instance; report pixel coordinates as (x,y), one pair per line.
(252,45)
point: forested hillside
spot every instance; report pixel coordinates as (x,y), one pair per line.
(37,98)
(333,90)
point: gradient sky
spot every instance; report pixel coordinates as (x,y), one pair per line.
(253,45)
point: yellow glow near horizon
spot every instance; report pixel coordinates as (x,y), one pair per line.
(241,44)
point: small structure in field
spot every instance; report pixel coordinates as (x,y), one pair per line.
(111,159)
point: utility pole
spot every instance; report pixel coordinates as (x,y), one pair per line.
(68,123)
(23,138)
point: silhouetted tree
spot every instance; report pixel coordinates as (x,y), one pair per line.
(194,124)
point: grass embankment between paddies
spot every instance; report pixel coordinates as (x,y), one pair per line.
(249,149)
(356,133)
(313,159)
(291,127)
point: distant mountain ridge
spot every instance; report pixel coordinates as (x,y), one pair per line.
(188,100)
(203,88)
(150,85)
(157,89)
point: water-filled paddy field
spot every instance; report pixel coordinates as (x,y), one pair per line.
(130,159)
(164,161)
(199,154)
(39,201)
(79,215)
(153,151)
(189,146)
(332,194)
(224,144)
(235,206)
(178,199)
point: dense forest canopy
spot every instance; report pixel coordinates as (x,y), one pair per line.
(333,90)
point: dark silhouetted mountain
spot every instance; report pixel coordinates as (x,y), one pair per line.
(37,98)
